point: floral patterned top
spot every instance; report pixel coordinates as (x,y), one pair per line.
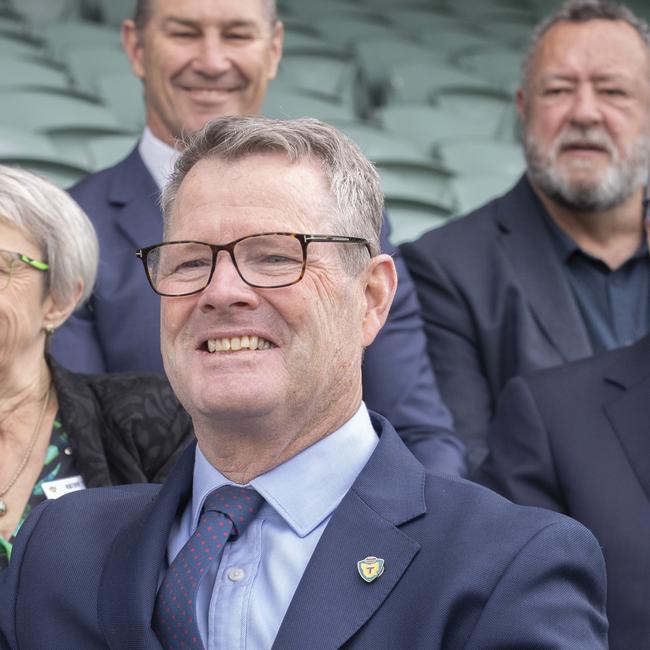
(59,463)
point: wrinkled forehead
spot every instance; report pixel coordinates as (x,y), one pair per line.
(209,11)
(592,48)
(255,193)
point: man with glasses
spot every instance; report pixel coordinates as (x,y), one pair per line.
(199,60)
(300,519)
(557,269)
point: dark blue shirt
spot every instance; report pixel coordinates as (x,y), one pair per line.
(614,303)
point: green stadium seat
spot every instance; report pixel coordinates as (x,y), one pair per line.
(296,42)
(22,73)
(500,66)
(417,81)
(495,110)
(45,11)
(36,152)
(474,155)
(287,103)
(426,125)
(376,55)
(383,147)
(453,39)
(331,75)
(411,218)
(20,48)
(347,32)
(67,120)
(88,63)
(113,12)
(473,190)
(63,36)
(122,93)
(416,20)
(106,150)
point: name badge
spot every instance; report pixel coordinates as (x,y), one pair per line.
(56,489)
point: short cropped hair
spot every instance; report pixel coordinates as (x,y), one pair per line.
(352,178)
(50,218)
(582,11)
(143,10)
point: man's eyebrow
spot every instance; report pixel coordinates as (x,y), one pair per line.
(187,22)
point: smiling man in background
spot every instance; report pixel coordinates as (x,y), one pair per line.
(201,59)
(557,269)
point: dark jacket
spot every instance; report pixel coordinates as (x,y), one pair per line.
(123,428)
(496,303)
(575,439)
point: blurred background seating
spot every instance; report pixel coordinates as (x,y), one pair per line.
(425,87)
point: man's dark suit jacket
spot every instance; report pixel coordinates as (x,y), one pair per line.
(120,331)
(576,439)
(496,304)
(464,568)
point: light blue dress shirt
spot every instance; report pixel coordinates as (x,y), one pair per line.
(242,602)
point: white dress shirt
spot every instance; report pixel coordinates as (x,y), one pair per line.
(242,602)
(158,157)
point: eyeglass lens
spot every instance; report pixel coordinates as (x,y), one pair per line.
(262,260)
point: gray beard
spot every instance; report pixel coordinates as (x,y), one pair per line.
(619,181)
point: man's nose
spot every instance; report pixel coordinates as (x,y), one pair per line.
(212,56)
(586,108)
(226,287)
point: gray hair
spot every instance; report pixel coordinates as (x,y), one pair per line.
(352,178)
(581,11)
(50,218)
(143,11)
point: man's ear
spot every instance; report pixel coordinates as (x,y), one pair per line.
(56,313)
(132,44)
(520,102)
(380,280)
(277,43)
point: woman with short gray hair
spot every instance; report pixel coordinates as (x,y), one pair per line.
(61,431)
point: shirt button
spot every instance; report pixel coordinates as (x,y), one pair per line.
(68,451)
(235,575)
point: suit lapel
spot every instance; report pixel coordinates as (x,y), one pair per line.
(332,602)
(134,189)
(130,577)
(526,243)
(627,413)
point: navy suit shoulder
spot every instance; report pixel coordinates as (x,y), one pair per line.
(574,439)
(495,303)
(464,568)
(119,330)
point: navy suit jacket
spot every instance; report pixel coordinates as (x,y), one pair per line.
(575,439)
(119,330)
(464,568)
(496,303)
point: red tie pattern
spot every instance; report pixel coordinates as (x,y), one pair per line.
(226,513)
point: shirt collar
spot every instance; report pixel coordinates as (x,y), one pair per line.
(158,157)
(304,490)
(567,248)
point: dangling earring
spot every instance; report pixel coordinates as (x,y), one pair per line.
(49,330)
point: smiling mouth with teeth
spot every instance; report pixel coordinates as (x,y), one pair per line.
(237,343)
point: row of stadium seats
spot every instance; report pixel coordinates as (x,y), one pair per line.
(425,88)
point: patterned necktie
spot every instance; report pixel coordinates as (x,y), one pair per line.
(226,513)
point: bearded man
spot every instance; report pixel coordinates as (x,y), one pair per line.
(557,269)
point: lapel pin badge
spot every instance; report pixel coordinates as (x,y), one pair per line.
(370,568)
